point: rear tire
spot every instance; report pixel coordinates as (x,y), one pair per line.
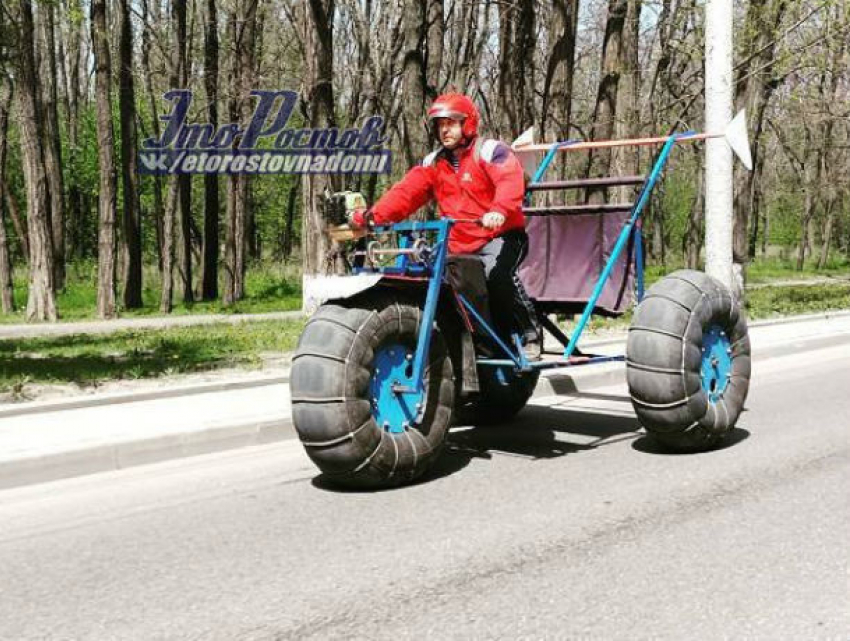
(688,361)
(503,392)
(339,394)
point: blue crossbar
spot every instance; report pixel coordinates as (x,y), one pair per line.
(623,239)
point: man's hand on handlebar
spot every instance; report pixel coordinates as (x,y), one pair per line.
(361,219)
(492,220)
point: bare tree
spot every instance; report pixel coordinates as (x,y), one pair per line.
(180,63)
(18,221)
(605,110)
(435,30)
(70,66)
(560,69)
(517,42)
(318,251)
(7,298)
(158,205)
(172,202)
(52,144)
(242,27)
(108,201)
(41,302)
(413,137)
(129,170)
(209,268)
(625,159)
(755,85)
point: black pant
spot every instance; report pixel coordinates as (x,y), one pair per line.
(511,309)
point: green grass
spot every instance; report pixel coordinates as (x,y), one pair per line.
(268,288)
(90,359)
(766,270)
(772,269)
(761,303)
(769,302)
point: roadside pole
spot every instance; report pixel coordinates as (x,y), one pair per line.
(718,155)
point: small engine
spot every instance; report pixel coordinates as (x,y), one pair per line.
(340,205)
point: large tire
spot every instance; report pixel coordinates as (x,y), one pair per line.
(335,385)
(688,361)
(503,392)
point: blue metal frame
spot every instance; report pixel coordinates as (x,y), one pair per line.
(623,239)
(434,272)
(394,413)
(716,363)
(433,268)
(544,164)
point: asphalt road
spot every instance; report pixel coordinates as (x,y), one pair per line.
(565,524)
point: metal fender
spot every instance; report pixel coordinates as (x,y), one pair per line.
(318,289)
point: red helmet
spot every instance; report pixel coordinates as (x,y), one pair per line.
(457,107)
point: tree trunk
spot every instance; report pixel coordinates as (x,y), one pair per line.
(560,70)
(693,230)
(290,222)
(435,35)
(506,87)
(167,294)
(413,138)
(53,146)
(827,234)
(158,206)
(18,221)
(525,66)
(184,181)
(754,87)
(319,256)
(209,268)
(75,198)
(605,111)
(41,302)
(174,200)
(105,142)
(624,160)
(756,198)
(7,299)
(184,187)
(129,170)
(242,27)
(517,42)
(808,212)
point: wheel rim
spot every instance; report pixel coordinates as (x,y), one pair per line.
(393,411)
(716,365)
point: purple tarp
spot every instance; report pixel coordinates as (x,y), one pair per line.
(565,259)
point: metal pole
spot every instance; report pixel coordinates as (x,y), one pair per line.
(718,155)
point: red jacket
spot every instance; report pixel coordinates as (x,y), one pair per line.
(492,183)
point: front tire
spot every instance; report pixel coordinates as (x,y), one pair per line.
(688,361)
(354,427)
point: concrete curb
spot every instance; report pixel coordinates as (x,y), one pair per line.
(107,457)
(78,402)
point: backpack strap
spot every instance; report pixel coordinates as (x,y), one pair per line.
(477,147)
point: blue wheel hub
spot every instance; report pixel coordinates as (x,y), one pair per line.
(716,365)
(394,411)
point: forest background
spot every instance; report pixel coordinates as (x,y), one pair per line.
(82,81)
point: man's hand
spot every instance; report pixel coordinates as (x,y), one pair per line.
(492,220)
(360,218)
